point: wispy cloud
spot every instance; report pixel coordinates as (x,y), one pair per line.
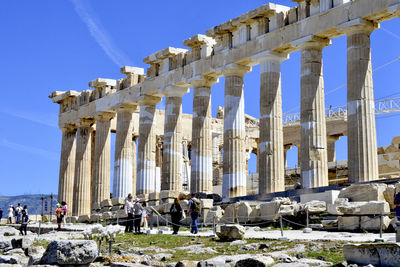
(99,33)
(41,118)
(28,149)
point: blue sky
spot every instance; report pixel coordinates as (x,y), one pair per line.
(49,45)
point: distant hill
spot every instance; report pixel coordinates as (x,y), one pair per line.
(34,203)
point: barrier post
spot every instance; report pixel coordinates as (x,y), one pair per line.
(380,239)
(281,224)
(109,247)
(151,220)
(117,219)
(40,224)
(307,229)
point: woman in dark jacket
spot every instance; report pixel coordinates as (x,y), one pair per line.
(176,215)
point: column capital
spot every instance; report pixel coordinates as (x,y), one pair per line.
(332,138)
(104,116)
(69,127)
(311,42)
(85,122)
(270,56)
(100,83)
(235,70)
(205,81)
(149,100)
(358,26)
(128,70)
(176,90)
(129,107)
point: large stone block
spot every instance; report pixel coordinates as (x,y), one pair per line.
(118,201)
(95,217)
(84,219)
(328,197)
(244,211)
(289,210)
(106,203)
(348,223)
(315,206)
(365,208)
(376,254)
(364,192)
(216,212)
(389,195)
(168,194)
(370,223)
(396,140)
(70,252)
(230,213)
(255,215)
(269,210)
(143,196)
(108,215)
(154,196)
(230,231)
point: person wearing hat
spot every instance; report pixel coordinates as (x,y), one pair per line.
(137,210)
(59,214)
(128,208)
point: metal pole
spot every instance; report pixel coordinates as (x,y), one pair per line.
(380,225)
(280,222)
(117,219)
(100,245)
(40,224)
(51,207)
(307,217)
(151,220)
(158,223)
(109,247)
(42,206)
(214,230)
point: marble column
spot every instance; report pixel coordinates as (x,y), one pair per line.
(285,149)
(134,169)
(272,168)
(102,159)
(122,183)
(146,171)
(331,140)
(362,143)
(82,192)
(234,160)
(201,153)
(171,178)
(314,162)
(67,166)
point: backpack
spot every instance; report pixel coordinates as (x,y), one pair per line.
(396,199)
(196,205)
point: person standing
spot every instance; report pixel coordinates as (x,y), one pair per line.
(64,207)
(397,204)
(1,214)
(138,210)
(144,216)
(176,215)
(59,214)
(18,213)
(10,214)
(128,207)
(194,209)
(24,222)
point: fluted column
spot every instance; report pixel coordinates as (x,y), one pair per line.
(285,149)
(201,156)
(82,192)
(134,164)
(314,163)
(67,166)
(171,178)
(331,140)
(102,159)
(146,171)
(362,144)
(272,168)
(122,183)
(234,161)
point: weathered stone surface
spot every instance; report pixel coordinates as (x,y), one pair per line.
(216,212)
(289,210)
(231,212)
(349,223)
(270,210)
(24,242)
(5,244)
(256,260)
(117,201)
(364,192)
(95,217)
(255,214)
(389,194)
(8,231)
(230,231)
(373,223)
(328,197)
(329,223)
(244,211)
(372,207)
(70,252)
(316,206)
(206,203)
(378,254)
(84,218)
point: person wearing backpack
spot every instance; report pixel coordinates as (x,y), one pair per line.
(24,222)
(194,210)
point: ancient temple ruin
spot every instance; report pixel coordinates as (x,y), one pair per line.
(168,152)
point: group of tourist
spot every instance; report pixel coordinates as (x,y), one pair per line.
(136,214)
(16,214)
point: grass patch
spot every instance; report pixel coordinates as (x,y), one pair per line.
(332,255)
(42,243)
